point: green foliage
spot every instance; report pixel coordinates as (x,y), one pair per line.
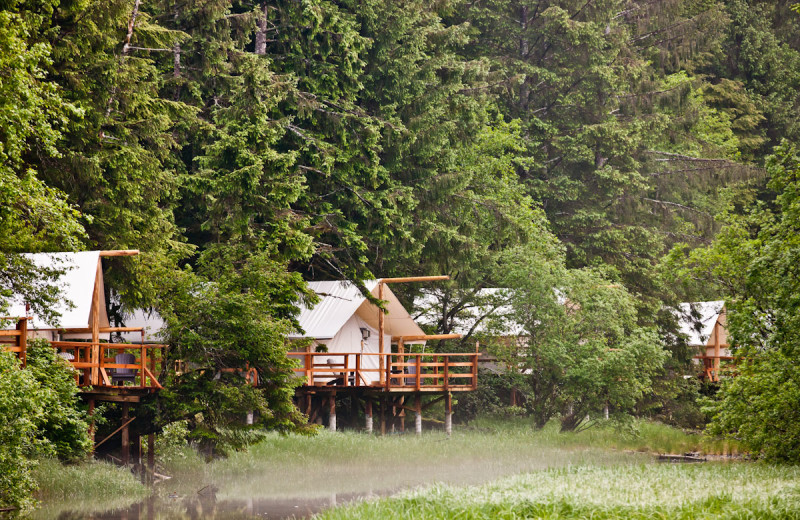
(64,426)
(41,416)
(222,321)
(755,261)
(583,350)
(20,412)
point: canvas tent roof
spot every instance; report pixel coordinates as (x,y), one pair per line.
(76,286)
(699,330)
(339,300)
(149,320)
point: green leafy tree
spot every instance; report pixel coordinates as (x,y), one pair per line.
(223,322)
(583,352)
(33,216)
(753,262)
(41,416)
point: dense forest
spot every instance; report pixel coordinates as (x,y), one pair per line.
(626,155)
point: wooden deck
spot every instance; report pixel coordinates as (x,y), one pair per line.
(712,367)
(139,374)
(16,340)
(403,372)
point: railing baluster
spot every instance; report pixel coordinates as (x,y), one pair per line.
(143,360)
(446,371)
(419,370)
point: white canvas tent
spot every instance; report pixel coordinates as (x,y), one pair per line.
(704,324)
(701,322)
(149,320)
(80,281)
(342,312)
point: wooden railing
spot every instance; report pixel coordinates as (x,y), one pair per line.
(16,340)
(712,368)
(407,371)
(139,373)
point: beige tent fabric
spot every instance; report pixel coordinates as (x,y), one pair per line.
(76,286)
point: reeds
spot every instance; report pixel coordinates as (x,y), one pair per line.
(85,487)
(667,491)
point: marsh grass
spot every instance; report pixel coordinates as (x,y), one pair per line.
(642,436)
(713,490)
(351,462)
(86,487)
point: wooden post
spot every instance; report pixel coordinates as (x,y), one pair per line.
(448,414)
(418,415)
(380,329)
(716,350)
(143,361)
(126,448)
(475,366)
(409,279)
(309,363)
(95,325)
(137,451)
(418,367)
(22,340)
(332,414)
(383,415)
(368,414)
(401,413)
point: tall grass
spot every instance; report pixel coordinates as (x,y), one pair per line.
(713,490)
(351,462)
(86,487)
(640,435)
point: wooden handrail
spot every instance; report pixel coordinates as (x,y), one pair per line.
(119,252)
(407,279)
(432,371)
(145,374)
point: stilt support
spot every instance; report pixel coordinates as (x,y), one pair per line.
(448,414)
(368,414)
(383,415)
(418,413)
(126,445)
(332,415)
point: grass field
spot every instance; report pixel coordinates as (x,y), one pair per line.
(639,491)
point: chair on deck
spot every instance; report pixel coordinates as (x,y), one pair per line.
(339,381)
(120,375)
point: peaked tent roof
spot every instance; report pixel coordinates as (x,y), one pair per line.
(76,288)
(699,331)
(339,300)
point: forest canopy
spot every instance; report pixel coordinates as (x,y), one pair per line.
(247,147)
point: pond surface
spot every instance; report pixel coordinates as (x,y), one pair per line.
(295,477)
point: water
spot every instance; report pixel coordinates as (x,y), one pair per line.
(209,507)
(295,477)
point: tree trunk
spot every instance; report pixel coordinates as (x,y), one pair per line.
(261,32)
